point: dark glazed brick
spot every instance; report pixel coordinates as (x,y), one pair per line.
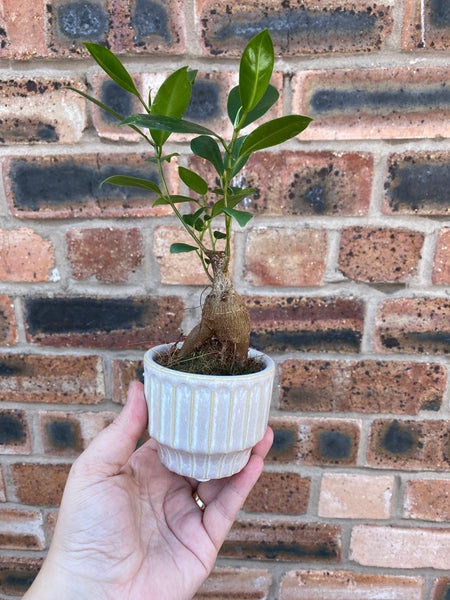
(205,101)
(150,19)
(63,434)
(399,439)
(13,428)
(285,442)
(418,183)
(83,21)
(441,589)
(440,13)
(335,445)
(427,25)
(306,324)
(103,322)
(116,98)
(17,574)
(332,443)
(297,26)
(279,540)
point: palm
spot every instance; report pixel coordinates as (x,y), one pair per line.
(136,532)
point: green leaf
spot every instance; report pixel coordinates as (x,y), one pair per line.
(241,216)
(178,248)
(269,98)
(193,181)
(112,66)
(273,133)
(192,75)
(171,100)
(192,219)
(167,158)
(176,199)
(219,235)
(132,182)
(163,123)
(255,69)
(207,148)
(240,195)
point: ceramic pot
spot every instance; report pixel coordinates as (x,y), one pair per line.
(206,425)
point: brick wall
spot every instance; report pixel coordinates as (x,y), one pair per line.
(345,269)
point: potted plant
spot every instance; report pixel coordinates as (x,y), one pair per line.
(207,420)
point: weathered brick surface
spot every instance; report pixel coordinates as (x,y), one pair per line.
(69,433)
(285,257)
(284,493)
(8,332)
(404,547)
(52,379)
(368,386)
(17,574)
(102,322)
(39,483)
(60,187)
(441,267)
(334,585)
(41,111)
(26,256)
(21,530)
(413,325)
(124,372)
(441,588)
(14,432)
(22,31)
(297,27)
(407,444)
(427,499)
(379,254)
(305,324)
(385,103)
(281,540)
(2,486)
(110,255)
(228,584)
(416,184)
(426,25)
(354,496)
(292,183)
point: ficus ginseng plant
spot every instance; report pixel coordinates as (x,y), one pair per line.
(224,314)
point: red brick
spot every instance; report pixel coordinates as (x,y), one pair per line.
(379,255)
(2,486)
(416,184)
(38,483)
(297,27)
(110,255)
(441,588)
(306,323)
(283,493)
(423,27)
(62,187)
(392,103)
(404,547)
(407,444)
(17,574)
(367,386)
(413,325)
(21,530)
(40,110)
(8,332)
(285,257)
(51,379)
(69,433)
(24,29)
(124,372)
(283,540)
(232,583)
(14,432)
(303,183)
(26,256)
(334,585)
(427,499)
(103,322)
(355,496)
(441,267)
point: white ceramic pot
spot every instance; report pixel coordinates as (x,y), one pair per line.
(206,425)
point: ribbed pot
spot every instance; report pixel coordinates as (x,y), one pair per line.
(206,425)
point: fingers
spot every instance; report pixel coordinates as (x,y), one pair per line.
(113,447)
(222,510)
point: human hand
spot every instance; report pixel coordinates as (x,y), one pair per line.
(129,529)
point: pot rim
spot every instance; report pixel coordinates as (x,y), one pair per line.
(149,360)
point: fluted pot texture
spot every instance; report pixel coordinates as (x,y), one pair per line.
(206,425)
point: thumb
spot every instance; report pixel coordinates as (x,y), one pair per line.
(112,448)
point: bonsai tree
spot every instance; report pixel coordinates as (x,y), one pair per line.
(225,319)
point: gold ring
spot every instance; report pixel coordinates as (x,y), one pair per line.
(198,501)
